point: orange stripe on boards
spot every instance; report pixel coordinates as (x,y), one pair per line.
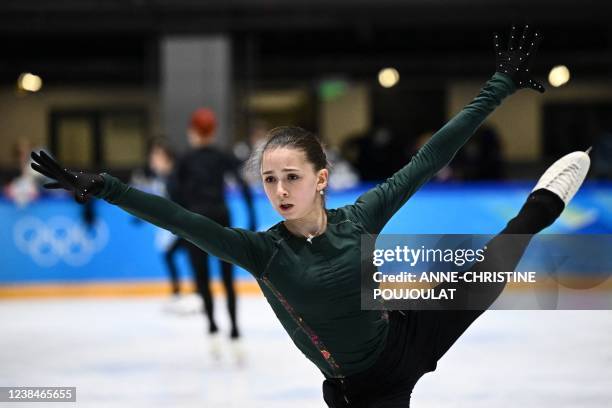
(113,289)
(144,289)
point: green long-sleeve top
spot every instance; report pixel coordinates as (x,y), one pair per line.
(314,288)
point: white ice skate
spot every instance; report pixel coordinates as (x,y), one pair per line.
(238,352)
(171,305)
(184,305)
(566,175)
(215,346)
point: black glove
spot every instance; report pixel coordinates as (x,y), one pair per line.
(82,185)
(516,61)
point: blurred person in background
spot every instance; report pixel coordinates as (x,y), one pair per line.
(25,188)
(154,179)
(258,131)
(602,151)
(308,266)
(161,162)
(343,175)
(372,153)
(482,157)
(197,183)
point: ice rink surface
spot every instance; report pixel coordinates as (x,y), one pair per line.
(129,353)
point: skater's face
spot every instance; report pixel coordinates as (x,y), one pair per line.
(291,182)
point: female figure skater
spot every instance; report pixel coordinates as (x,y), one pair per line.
(308,266)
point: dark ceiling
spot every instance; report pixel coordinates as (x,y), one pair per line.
(102,41)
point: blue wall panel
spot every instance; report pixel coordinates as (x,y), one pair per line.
(47,242)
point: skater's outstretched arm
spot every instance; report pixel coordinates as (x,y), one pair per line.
(375,207)
(238,246)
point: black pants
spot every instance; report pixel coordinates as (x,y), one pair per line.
(417,339)
(171,265)
(199,266)
(198,260)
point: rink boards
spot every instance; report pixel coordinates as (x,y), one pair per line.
(46,245)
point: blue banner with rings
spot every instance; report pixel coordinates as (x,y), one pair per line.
(46,241)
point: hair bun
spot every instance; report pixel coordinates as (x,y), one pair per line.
(204,121)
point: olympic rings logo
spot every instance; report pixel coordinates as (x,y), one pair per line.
(59,239)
